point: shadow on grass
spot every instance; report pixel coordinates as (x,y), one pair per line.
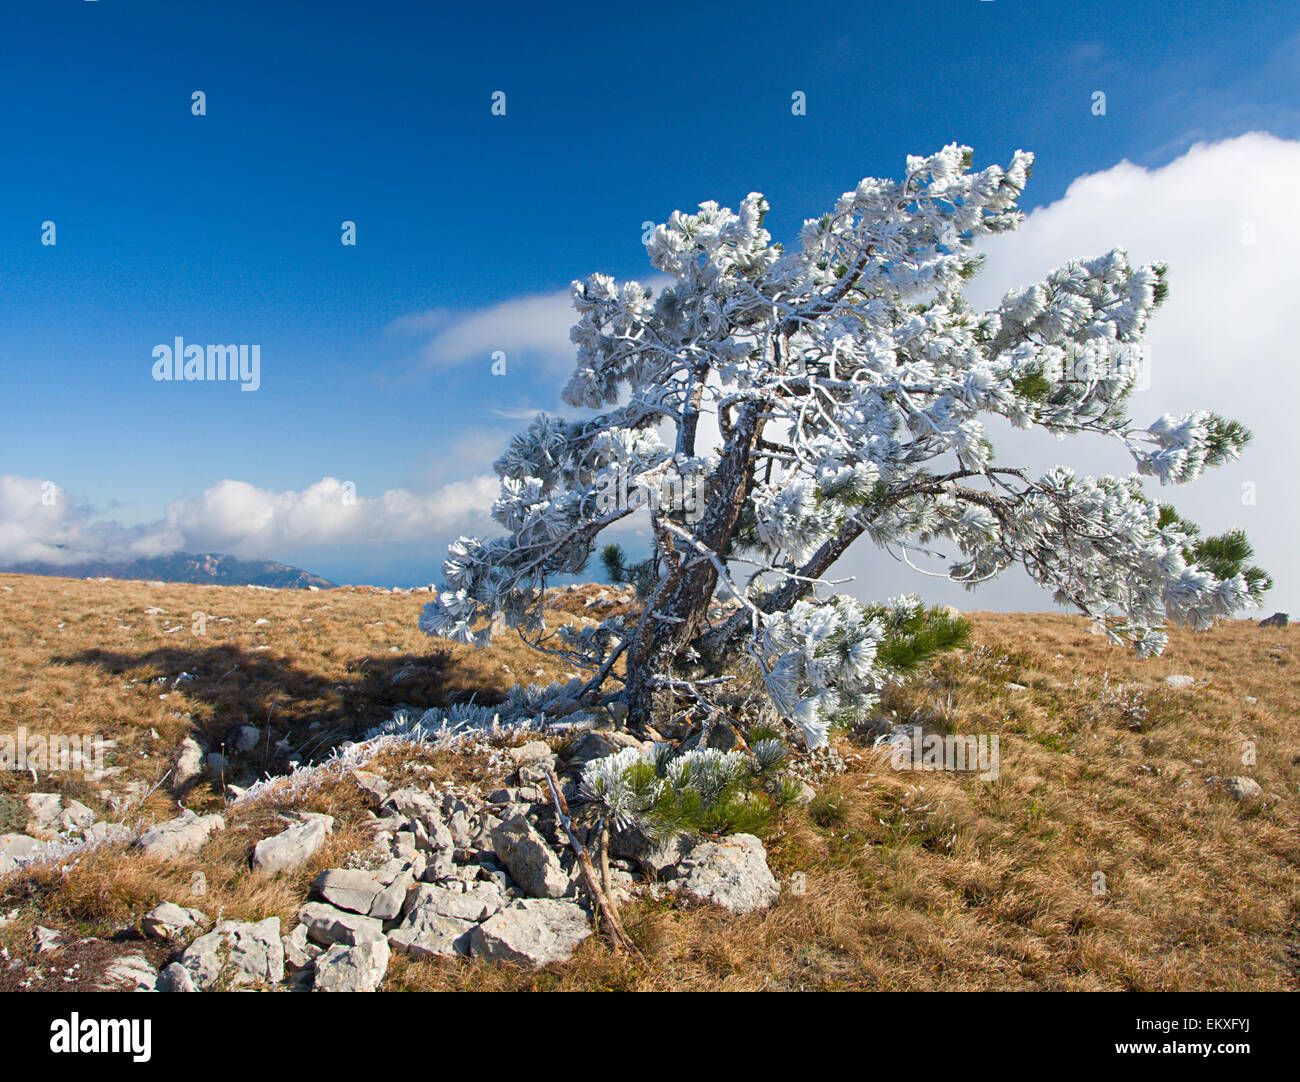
(301,714)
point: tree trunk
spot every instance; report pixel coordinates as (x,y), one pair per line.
(659,642)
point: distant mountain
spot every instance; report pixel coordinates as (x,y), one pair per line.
(205,569)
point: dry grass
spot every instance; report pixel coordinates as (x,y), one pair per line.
(913,880)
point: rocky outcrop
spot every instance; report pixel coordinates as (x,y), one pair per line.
(529,860)
(236,954)
(532,932)
(184,834)
(731,873)
(292,848)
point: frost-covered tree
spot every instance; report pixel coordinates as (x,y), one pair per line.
(848,380)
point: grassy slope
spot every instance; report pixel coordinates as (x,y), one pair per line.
(914,881)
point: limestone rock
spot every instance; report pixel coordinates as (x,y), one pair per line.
(530,861)
(731,873)
(129,973)
(657,856)
(327,925)
(236,954)
(15,849)
(167,920)
(292,848)
(189,766)
(532,931)
(175,978)
(352,969)
(184,834)
(347,888)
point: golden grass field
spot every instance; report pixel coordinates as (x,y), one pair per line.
(932,880)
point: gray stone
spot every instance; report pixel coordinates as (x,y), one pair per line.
(529,860)
(1242,788)
(292,848)
(43,812)
(175,978)
(432,937)
(375,787)
(414,804)
(477,903)
(167,920)
(16,849)
(327,925)
(352,969)
(1180,680)
(299,951)
(47,939)
(532,931)
(236,954)
(189,766)
(731,873)
(348,888)
(1278,619)
(184,834)
(389,902)
(596,744)
(76,818)
(247,737)
(535,760)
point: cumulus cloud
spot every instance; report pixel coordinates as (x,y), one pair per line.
(1224,219)
(39,522)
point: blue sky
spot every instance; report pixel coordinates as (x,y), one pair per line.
(375,358)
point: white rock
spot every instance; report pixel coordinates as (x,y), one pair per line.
(389,902)
(76,818)
(15,849)
(43,811)
(731,873)
(349,888)
(352,969)
(47,939)
(291,849)
(531,862)
(327,925)
(237,954)
(189,766)
(476,904)
(1179,680)
(532,931)
(167,920)
(184,834)
(299,951)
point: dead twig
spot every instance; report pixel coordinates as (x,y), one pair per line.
(602,900)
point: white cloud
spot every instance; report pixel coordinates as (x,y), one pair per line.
(533,328)
(237,518)
(1224,340)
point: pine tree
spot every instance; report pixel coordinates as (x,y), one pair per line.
(848,378)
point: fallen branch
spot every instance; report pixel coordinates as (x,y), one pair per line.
(603,902)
